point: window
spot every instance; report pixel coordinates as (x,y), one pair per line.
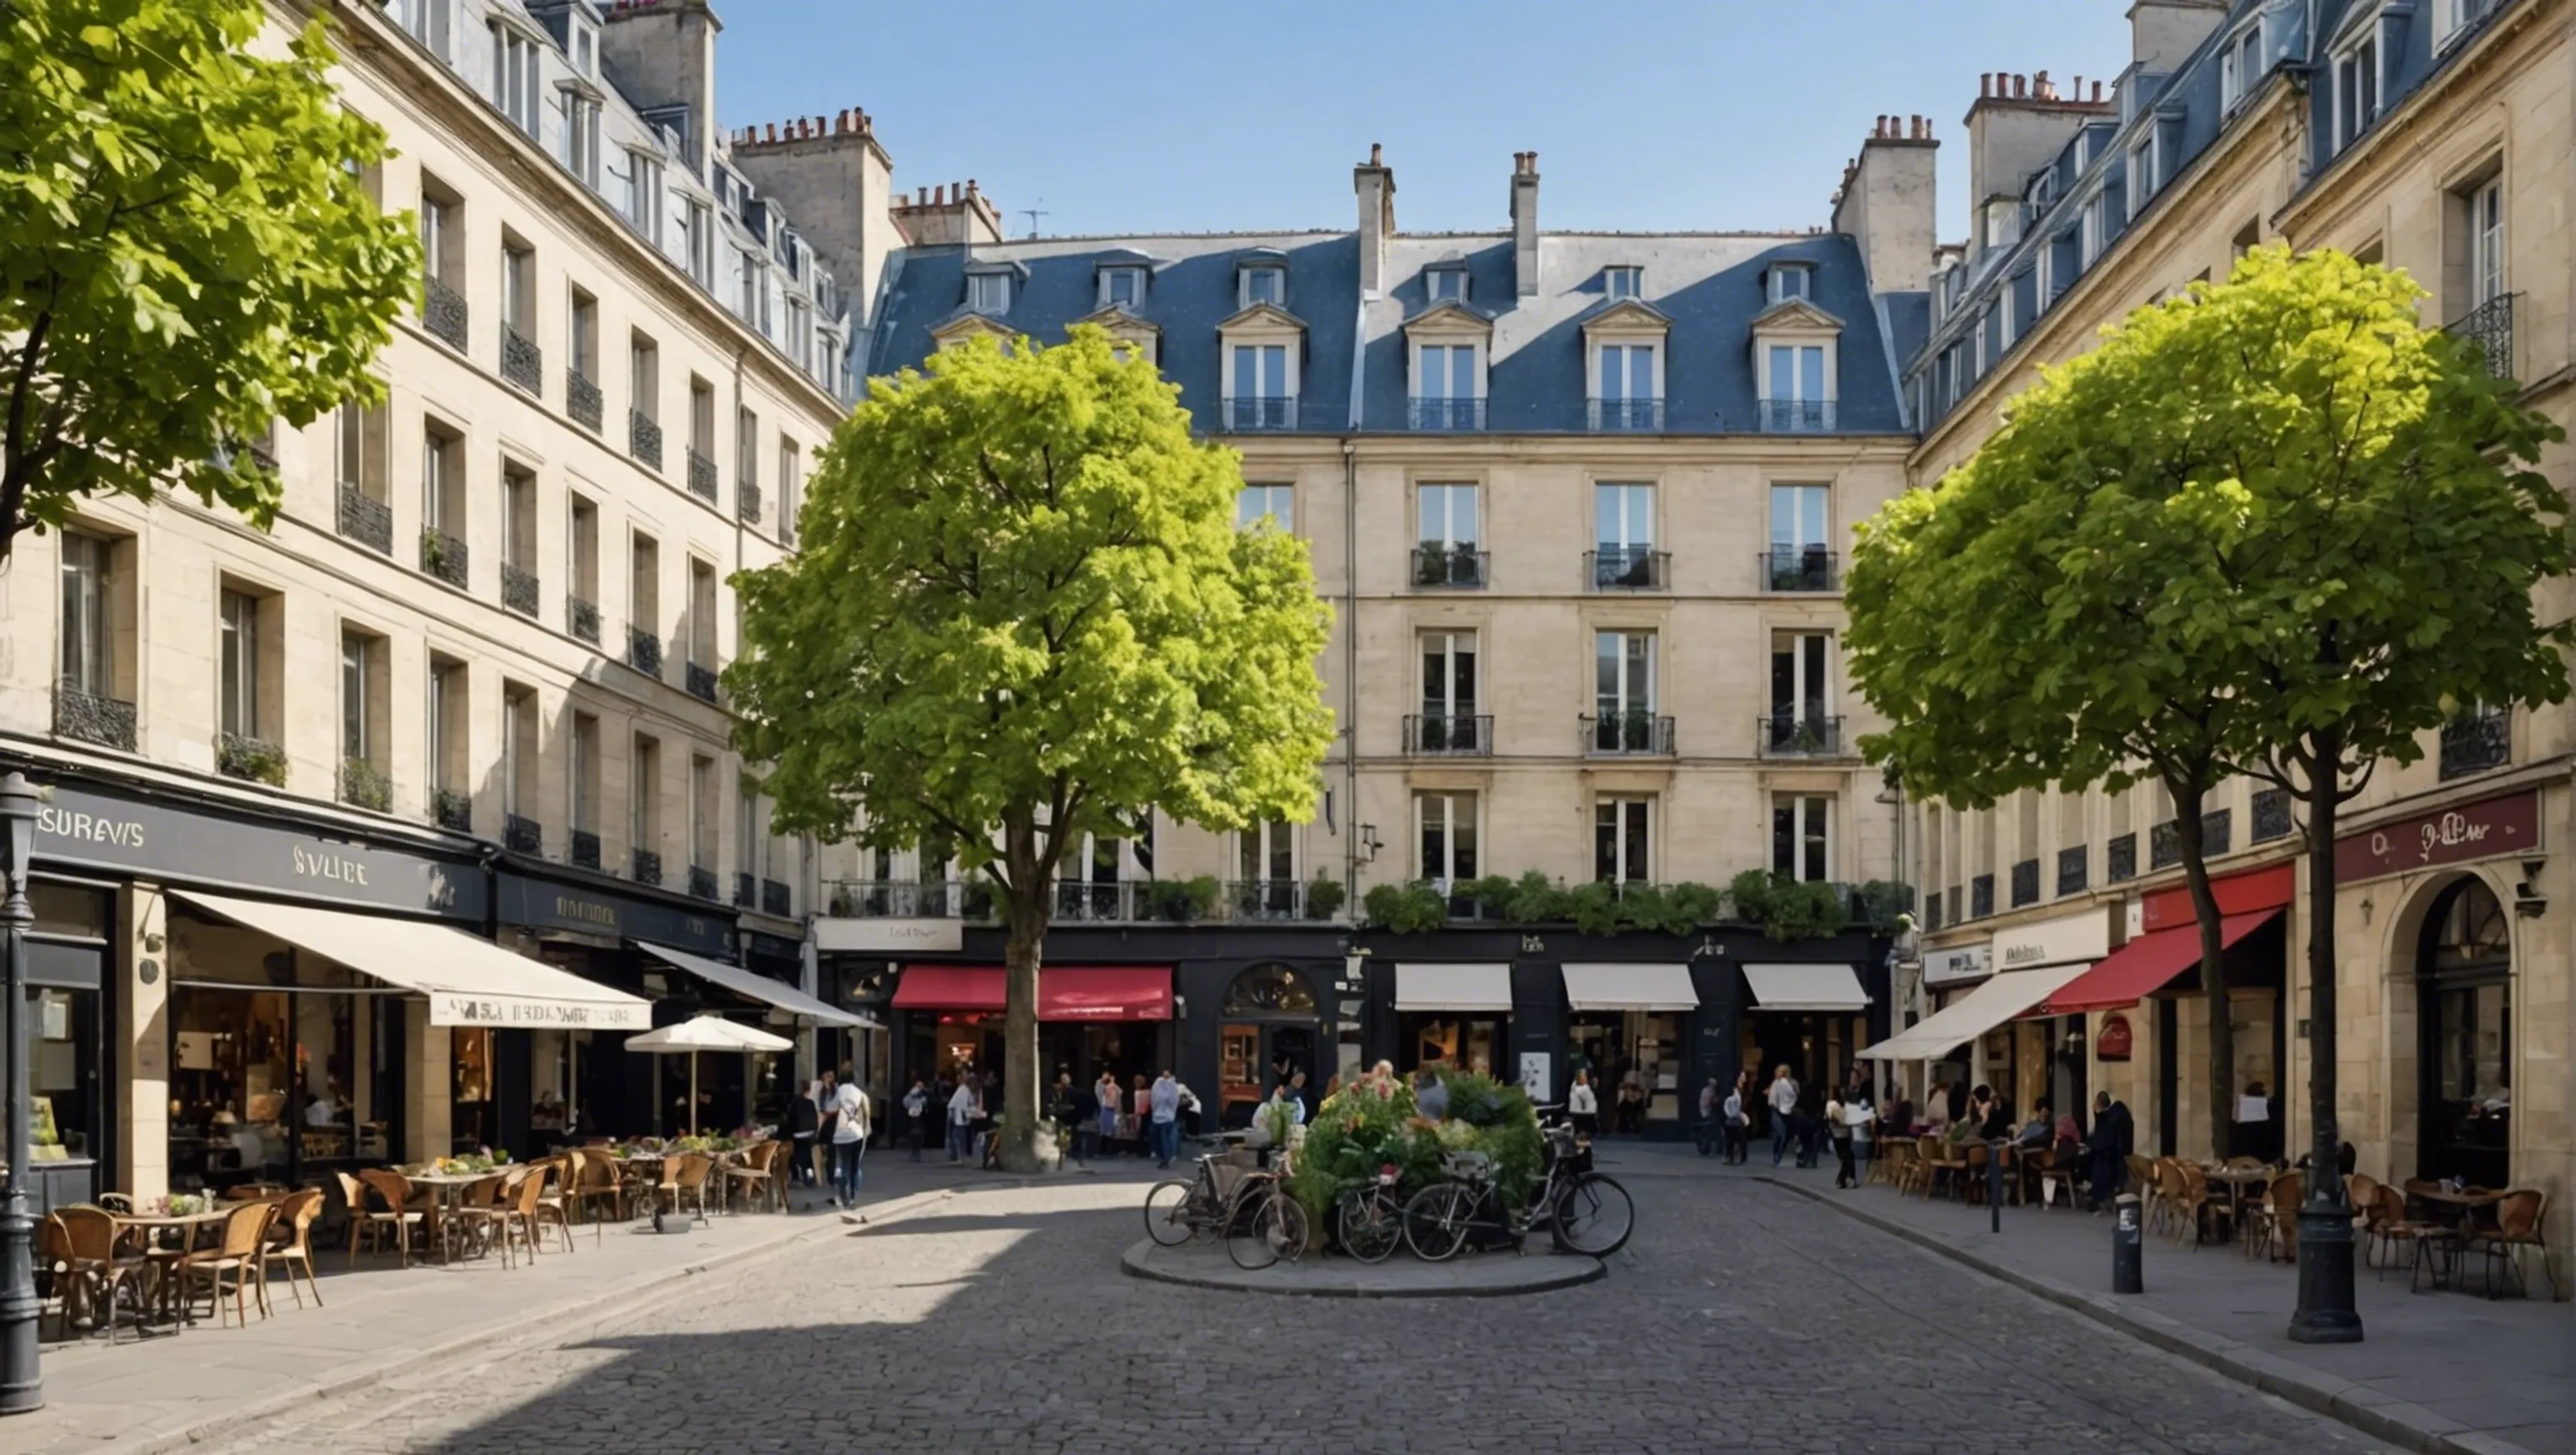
(1449,690)
(1258,394)
(440,236)
(746,449)
(2142,172)
(701,226)
(1446,836)
(1624,692)
(447,731)
(2457,16)
(1791,281)
(240,708)
(2092,234)
(1445,386)
(584,778)
(644,195)
(582,330)
(1802,836)
(644,377)
(1274,503)
(2356,88)
(357,685)
(702,613)
(585,46)
(2005,298)
(1266,853)
(1623,535)
(514,77)
(518,287)
(1446,285)
(519,521)
(989,292)
(1619,834)
(1623,282)
(751,838)
(1264,285)
(1796,379)
(582,543)
(1447,541)
(702,812)
(518,751)
(1122,287)
(358,442)
(427,20)
(1628,372)
(2240,66)
(442,500)
(799,342)
(2486,242)
(644,805)
(581,138)
(2043,271)
(1801,546)
(1799,696)
(644,585)
(791,488)
(750,283)
(702,419)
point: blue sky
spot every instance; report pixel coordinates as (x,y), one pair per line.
(1222,115)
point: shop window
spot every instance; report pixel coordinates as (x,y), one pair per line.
(282,1068)
(1269,990)
(2465,1013)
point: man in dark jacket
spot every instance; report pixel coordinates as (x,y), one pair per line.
(2114,1138)
(802,1121)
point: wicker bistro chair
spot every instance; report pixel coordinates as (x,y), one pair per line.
(595,1181)
(554,1195)
(2393,1227)
(746,1176)
(2142,1180)
(2272,1225)
(2518,1221)
(93,1269)
(2187,1205)
(514,1214)
(474,1222)
(2056,1175)
(684,1185)
(2361,1192)
(403,1209)
(239,1256)
(290,1242)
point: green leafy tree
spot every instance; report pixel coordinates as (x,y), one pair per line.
(1021,613)
(187,252)
(2275,527)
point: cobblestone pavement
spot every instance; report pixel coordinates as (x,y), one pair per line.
(1740,1318)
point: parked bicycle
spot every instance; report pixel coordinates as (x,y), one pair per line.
(1368,1218)
(1583,1211)
(1249,1207)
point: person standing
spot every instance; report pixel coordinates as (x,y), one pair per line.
(1082,1115)
(1838,1127)
(1164,1107)
(916,1116)
(804,1117)
(2108,1149)
(1735,1127)
(826,1089)
(1784,1104)
(849,1143)
(961,1117)
(1583,1104)
(1708,1132)
(1105,1093)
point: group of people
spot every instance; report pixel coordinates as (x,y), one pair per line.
(1144,1121)
(829,1126)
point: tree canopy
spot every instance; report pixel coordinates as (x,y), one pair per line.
(188,253)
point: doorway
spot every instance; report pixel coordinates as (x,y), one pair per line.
(2464,1014)
(1271,1031)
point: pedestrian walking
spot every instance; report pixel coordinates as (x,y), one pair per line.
(961,1117)
(1164,1107)
(819,1156)
(1737,1124)
(916,1116)
(1784,1104)
(1583,1104)
(1707,1132)
(850,1130)
(2114,1138)
(804,1117)
(1838,1127)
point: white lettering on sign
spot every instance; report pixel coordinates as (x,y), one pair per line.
(2450,831)
(459,1009)
(315,864)
(587,911)
(124,833)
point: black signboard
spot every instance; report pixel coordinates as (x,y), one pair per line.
(552,904)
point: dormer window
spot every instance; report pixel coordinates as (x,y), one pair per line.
(585,48)
(989,293)
(1792,280)
(1623,281)
(1265,281)
(2240,66)
(2356,87)
(1122,287)
(1446,285)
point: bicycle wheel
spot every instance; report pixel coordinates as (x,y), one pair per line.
(1593,1215)
(1167,1213)
(1284,1225)
(1254,1230)
(1435,1220)
(1369,1223)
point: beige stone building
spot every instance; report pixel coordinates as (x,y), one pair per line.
(2430,137)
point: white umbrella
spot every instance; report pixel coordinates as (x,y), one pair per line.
(704,1033)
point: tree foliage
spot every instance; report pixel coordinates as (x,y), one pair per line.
(1021,613)
(187,252)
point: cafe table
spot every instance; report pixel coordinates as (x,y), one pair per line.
(444,1188)
(2460,1209)
(2237,1180)
(148,1227)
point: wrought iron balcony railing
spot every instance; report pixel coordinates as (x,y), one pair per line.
(442,312)
(2272,815)
(1981,896)
(702,883)
(523,835)
(702,682)
(519,590)
(1243,414)
(1444,566)
(1446,414)
(581,618)
(255,760)
(2025,883)
(1794,734)
(2476,744)
(1797,416)
(1625,415)
(746,503)
(644,651)
(1265,899)
(2164,845)
(774,898)
(702,477)
(366,520)
(450,809)
(645,865)
(442,555)
(1628,734)
(644,438)
(1627,568)
(746,891)
(2490,327)
(106,721)
(2120,859)
(1450,733)
(522,362)
(1800,568)
(585,849)
(583,401)
(2074,868)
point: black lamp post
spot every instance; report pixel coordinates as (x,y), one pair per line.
(22,1384)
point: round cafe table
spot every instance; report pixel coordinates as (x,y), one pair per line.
(148,1226)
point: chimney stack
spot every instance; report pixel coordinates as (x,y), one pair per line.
(1374,183)
(1885,204)
(1525,223)
(664,55)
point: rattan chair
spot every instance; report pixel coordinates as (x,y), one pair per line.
(92,1268)
(2519,1218)
(2272,1225)
(596,1180)
(402,1209)
(290,1243)
(238,1255)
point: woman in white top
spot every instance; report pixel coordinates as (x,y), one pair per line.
(1583,1105)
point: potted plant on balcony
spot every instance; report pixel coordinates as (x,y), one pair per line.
(1324,897)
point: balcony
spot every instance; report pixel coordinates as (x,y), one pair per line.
(702,477)
(702,883)
(442,555)
(366,520)
(2120,859)
(581,619)
(644,652)
(774,898)
(746,891)
(2025,883)
(746,503)
(645,866)
(1617,416)
(2489,327)
(2074,867)
(2272,815)
(519,590)
(450,809)
(582,400)
(1628,735)
(442,312)
(1260,900)
(93,719)
(1800,569)
(364,785)
(1797,416)
(522,362)
(1445,414)
(585,849)
(702,682)
(1246,415)
(1450,734)
(2476,744)
(253,760)
(1628,568)
(1443,566)
(1792,734)
(1088,901)
(521,835)
(644,439)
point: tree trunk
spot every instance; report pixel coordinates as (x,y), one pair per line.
(1022,1070)
(2326,1313)
(2190,828)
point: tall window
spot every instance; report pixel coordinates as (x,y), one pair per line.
(1266,853)
(585,774)
(427,20)
(644,796)
(1802,836)
(1264,285)
(746,448)
(1446,386)
(644,195)
(1619,834)
(1260,386)
(791,488)
(1448,538)
(1623,664)
(1446,285)
(1277,504)
(518,750)
(1446,836)
(518,520)
(447,728)
(1801,547)
(1449,692)
(2240,66)
(702,244)
(1628,392)
(581,138)
(514,77)
(1121,287)
(240,664)
(1623,281)
(1790,281)
(87,659)
(1797,380)
(519,287)
(988,293)
(1798,687)
(2093,230)
(438,237)
(2486,242)
(644,376)
(583,328)
(2356,89)
(581,546)
(702,812)
(357,720)
(1623,535)
(442,486)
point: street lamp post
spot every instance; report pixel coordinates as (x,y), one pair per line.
(22,1384)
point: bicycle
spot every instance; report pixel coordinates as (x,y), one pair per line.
(1368,1217)
(1178,1210)
(1583,1211)
(1265,1223)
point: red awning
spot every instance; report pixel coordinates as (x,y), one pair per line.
(1065,993)
(2145,965)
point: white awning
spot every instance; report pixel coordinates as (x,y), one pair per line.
(707,1033)
(1828,988)
(469,982)
(1617,986)
(1485,988)
(1979,1011)
(752,985)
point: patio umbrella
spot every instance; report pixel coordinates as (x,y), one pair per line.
(704,1033)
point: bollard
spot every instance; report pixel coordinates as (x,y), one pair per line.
(1995,1186)
(2128,1245)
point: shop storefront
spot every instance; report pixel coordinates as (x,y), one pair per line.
(2030,963)
(1092,1019)
(1810,1018)
(1457,1014)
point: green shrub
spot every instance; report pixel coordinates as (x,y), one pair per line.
(1180,901)
(1324,897)
(1594,908)
(1787,909)
(1362,1128)
(1880,903)
(1407,909)
(1537,899)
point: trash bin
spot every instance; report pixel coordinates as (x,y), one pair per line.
(2128,1244)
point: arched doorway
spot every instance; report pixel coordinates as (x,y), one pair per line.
(1270,1031)
(2463,978)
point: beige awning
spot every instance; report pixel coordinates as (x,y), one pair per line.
(1826,988)
(1979,1011)
(1618,986)
(468,981)
(751,985)
(1474,988)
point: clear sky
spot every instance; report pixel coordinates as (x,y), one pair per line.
(1218,115)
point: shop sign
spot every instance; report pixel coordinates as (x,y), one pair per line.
(2508,825)
(2115,1040)
(889,936)
(79,826)
(461,1008)
(1959,966)
(547,905)
(2085,935)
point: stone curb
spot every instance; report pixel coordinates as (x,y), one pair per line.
(617,1300)
(1567,1272)
(2396,1421)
